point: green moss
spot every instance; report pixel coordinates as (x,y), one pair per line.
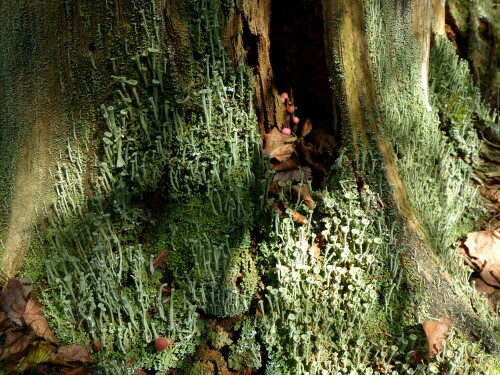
(219,338)
(246,352)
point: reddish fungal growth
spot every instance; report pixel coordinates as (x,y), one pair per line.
(286,131)
(295,120)
(161,343)
(290,109)
(98,346)
(284,97)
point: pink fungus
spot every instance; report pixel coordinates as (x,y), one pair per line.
(286,131)
(284,97)
(290,109)
(295,120)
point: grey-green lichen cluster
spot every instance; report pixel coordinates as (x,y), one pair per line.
(475,27)
(437,183)
(201,151)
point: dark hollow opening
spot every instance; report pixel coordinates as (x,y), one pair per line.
(299,62)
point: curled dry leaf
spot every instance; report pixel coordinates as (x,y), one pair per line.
(291,163)
(484,249)
(278,145)
(160,259)
(295,175)
(73,353)
(436,331)
(40,352)
(308,151)
(315,251)
(490,193)
(14,298)
(306,128)
(297,217)
(74,371)
(492,293)
(305,195)
(6,324)
(15,342)
(36,321)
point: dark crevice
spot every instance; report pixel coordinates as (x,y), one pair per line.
(250,45)
(298,59)
(455,35)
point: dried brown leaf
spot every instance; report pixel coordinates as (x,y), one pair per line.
(74,371)
(492,293)
(306,128)
(160,259)
(484,249)
(315,251)
(15,342)
(73,353)
(436,331)
(40,351)
(14,298)
(490,193)
(295,175)
(291,163)
(305,195)
(297,217)
(278,145)
(384,368)
(36,321)
(6,324)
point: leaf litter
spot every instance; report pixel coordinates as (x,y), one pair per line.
(29,342)
(292,157)
(436,331)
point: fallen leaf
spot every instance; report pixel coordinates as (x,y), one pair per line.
(305,195)
(160,259)
(278,145)
(295,175)
(484,248)
(15,342)
(492,293)
(73,353)
(14,298)
(291,163)
(306,128)
(301,174)
(436,331)
(36,321)
(297,217)
(40,352)
(315,251)
(6,324)
(74,371)
(384,368)
(490,193)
